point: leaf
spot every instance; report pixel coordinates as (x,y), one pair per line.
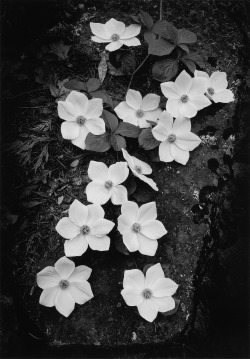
(130,184)
(160,47)
(166,30)
(149,36)
(120,246)
(76,85)
(186,37)
(60,50)
(59,89)
(122,62)
(184,48)
(98,143)
(102,67)
(104,96)
(165,70)
(146,19)
(128,130)
(128,62)
(134,18)
(147,140)
(74,163)
(110,120)
(113,71)
(154,155)
(31,204)
(144,193)
(146,267)
(117,142)
(60,200)
(93,84)
(191,59)
(170,312)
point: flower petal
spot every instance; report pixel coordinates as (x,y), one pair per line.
(99,39)
(135,279)
(181,125)
(133,119)
(99,30)
(147,180)
(223,96)
(95,212)
(149,116)
(81,292)
(115,27)
(201,74)
(76,247)
(131,296)
(130,240)
(66,228)
(128,158)
(125,223)
(165,152)
(183,82)
(78,213)
(64,267)
(47,278)
(147,212)
(199,102)
(173,107)
(123,110)
(164,287)
(80,274)
(70,130)
(134,99)
(80,141)
(170,90)
(199,86)
(98,171)
(66,111)
(187,110)
(179,155)
(79,101)
(101,227)
(98,243)
(163,304)
(118,172)
(163,128)
(153,229)
(147,311)
(97,193)
(145,168)
(119,194)
(131,42)
(48,296)
(95,108)
(147,246)
(154,273)
(95,126)
(188,141)
(131,31)
(218,81)
(150,102)
(113,46)
(64,303)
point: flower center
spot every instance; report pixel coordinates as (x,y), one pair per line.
(139,113)
(108,184)
(85,230)
(138,169)
(136,227)
(172,138)
(64,284)
(115,37)
(210,91)
(184,98)
(147,293)
(81,120)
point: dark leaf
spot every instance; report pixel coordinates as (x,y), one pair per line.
(165,70)
(93,84)
(98,143)
(128,130)
(166,30)
(113,71)
(146,19)
(31,204)
(166,270)
(189,63)
(128,62)
(120,246)
(130,184)
(111,121)
(160,47)
(194,56)
(146,267)
(170,312)
(186,37)
(117,142)
(60,49)
(134,18)
(153,123)
(147,140)
(154,155)
(76,85)
(184,47)
(163,102)
(149,36)
(104,96)
(144,193)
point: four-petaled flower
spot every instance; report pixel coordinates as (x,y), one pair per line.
(139,227)
(64,285)
(152,294)
(139,169)
(176,138)
(216,88)
(116,33)
(185,95)
(106,182)
(138,110)
(84,227)
(81,116)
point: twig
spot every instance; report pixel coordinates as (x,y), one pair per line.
(27,92)
(160,9)
(30,107)
(131,78)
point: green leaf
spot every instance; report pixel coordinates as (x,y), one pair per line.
(103,67)
(113,71)
(117,142)
(146,19)
(184,47)
(166,30)
(98,143)
(128,62)
(104,96)
(160,47)
(60,49)
(147,140)
(186,37)
(165,70)
(111,121)
(76,85)
(120,246)
(144,193)
(93,84)
(170,312)
(134,18)
(128,130)
(149,36)
(130,184)
(194,56)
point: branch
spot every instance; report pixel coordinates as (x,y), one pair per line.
(131,78)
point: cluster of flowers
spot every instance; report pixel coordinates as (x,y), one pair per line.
(64,285)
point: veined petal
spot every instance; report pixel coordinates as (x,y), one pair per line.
(99,30)
(95,126)
(79,101)
(184,83)
(78,213)
(147,311)
(188,141)
(64,267)
(98,171)
(147,212)
(98,243)
(47,278)
(81,292)
(123,110)
(147,180)
(154,273)
(218,81)
(125,223)
(115,27)
(201,74)
(223,96)
(64,303)
(118,172)
(164,287)
(101,227)
(119,194)
(67,229)
(131,210)
(99,39)
(134,99)
(134,278)
(149,116)
(80,140)
(113,46)
(162,130)
(188,110)
(95,212)
(130,240)
(70,130)
(163,304)
(199,86)
(97,193)
(128,158)
(131,296)
(76,246)
(179,155)
(165,152)
(66,111)
(199,102)
(145,168)
(95,108)
(48,296)
(170,90)
(131,31)
(173,106)
(147,246)
(150,102)
(153,229)
(131,42)
(80,274)
(181,126)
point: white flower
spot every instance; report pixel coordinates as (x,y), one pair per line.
(139,169)
(152,294)
(216,88)
(106,182)
(116,33)
(64,285)
(176,138)
(137,110)
(85,226)
(139,227)
(185,95)
(81,116)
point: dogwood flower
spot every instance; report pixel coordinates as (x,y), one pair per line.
(137,110)
(106,182)
(176,138)
(85,226)
(139,227)
(185,95)
(216,88)
(116,33)
(81,116)
(150,294)
(139,169)
(64,285)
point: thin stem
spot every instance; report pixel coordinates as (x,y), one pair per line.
(131,78)
(27,92)
(160,9)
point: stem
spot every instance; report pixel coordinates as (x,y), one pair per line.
(131,78)
(160,9)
